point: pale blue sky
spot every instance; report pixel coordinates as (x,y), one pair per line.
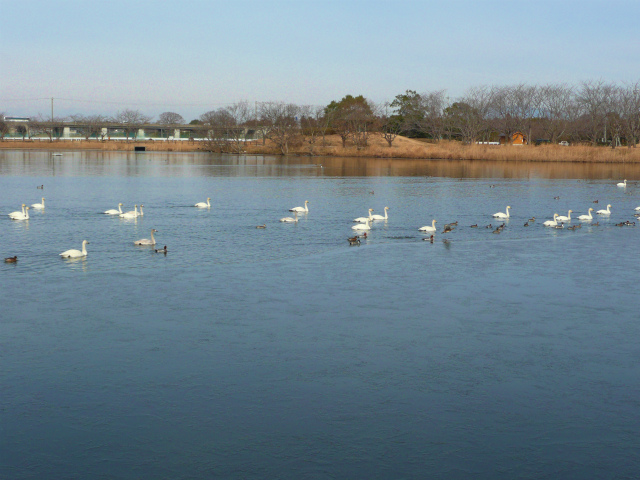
(191,56)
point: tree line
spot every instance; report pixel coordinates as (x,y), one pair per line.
(594,112)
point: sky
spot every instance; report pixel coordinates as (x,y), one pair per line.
(192,56)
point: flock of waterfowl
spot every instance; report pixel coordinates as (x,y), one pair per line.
(362,224)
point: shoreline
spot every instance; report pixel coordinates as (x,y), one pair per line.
(402,148)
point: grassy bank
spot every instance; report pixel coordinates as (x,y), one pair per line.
(378,148)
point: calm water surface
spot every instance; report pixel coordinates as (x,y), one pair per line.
(285,353)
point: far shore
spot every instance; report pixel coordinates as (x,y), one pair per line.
(402,148)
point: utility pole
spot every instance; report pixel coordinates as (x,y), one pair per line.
(51,109)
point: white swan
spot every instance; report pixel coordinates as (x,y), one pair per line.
(76,253)
(18,215)
(146,241)
(113,211)
(380,217)
(586,217)
(362,226)
(551,223)
(364,219)
(304,209)
(502,215)
(622,184)
(141,213)
(39,206)
(605,212)
(203,204)
(637,209)
(562,218)
(131,214)
(290,219)
(428,228)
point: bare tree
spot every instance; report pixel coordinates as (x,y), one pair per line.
(503,113)
(390,126)
(170,118)
(433,106)
(630,110)
(469,116)
(557,111)
(131,121)
(313,125)
(90,125)
(4,126)
(226,127)
(593,98)
(46,126)
(284,128)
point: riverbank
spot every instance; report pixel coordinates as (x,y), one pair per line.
(402,147)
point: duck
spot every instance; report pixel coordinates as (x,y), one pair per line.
(290,219)
(20,216)
(474,225)
(559,226)
(551,223)
(76,253)
(595,201)
(364,219)
(380,217)
(532,219)
(131,214)
(40,187)
(501,214)
(146,241)
(428,228)
(489,226)
(605,212)
(113,211)
(622,184)
(556,198)
(597,224)
(497,230)
(161,250)
(304,209)
(38,206)
(11,259)
(526,224)
(203,204)
(562,218)
(354,240)
(264,225)
(362,226)
(587,216)
(447,229)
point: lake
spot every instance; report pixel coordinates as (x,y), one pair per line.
(284,352)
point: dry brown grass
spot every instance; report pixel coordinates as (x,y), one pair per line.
(378,148)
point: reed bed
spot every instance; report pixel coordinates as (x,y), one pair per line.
(377,148)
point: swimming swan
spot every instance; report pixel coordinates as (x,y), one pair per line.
(562,218)
(551,223)
(203,205)
(622,184)
(146,241)
(380,217)
(290,219)
(20,216)
(428,228)
(304,209)
(15,215)
(586,217)
(605,212)
(76,253)
(113,211)
(130,214)
(362,226)
(364,219)
(39,206)
(502,215)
